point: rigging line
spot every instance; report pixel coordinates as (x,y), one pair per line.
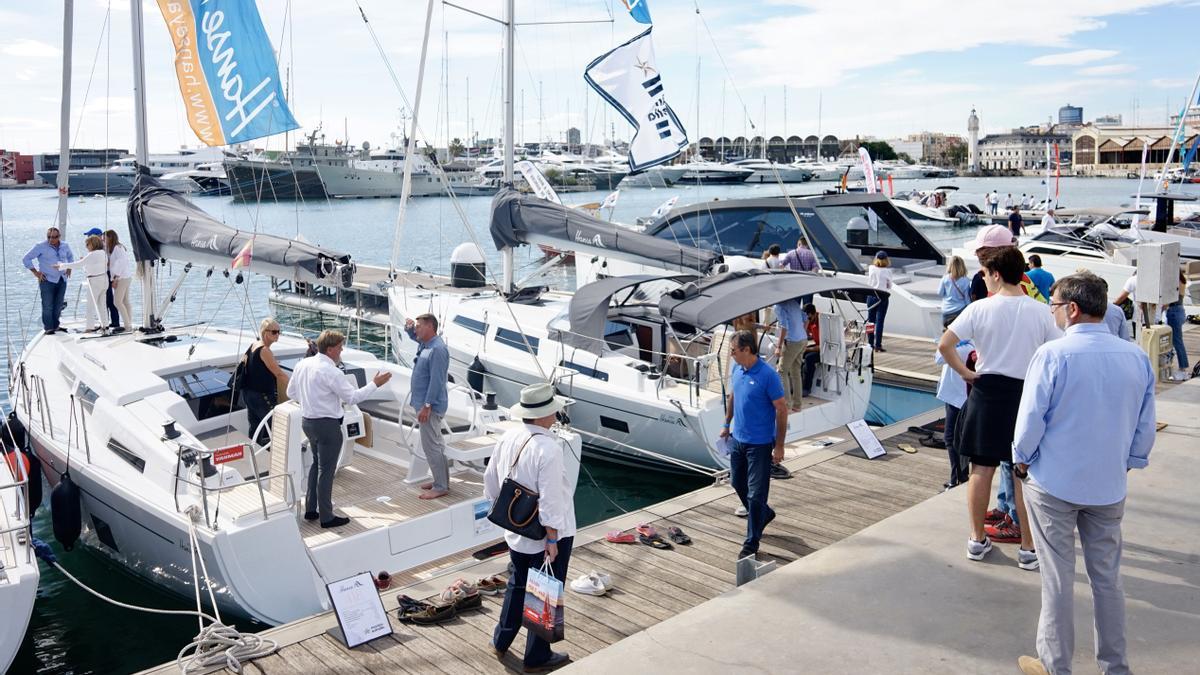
(721,58)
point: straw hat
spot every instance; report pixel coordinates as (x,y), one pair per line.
(537,400)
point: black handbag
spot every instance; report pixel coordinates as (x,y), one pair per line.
(516,507)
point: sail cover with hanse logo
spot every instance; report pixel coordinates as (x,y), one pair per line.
(628,78)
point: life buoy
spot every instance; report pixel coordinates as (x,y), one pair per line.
(65,512)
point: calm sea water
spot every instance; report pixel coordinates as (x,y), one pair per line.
(72,632)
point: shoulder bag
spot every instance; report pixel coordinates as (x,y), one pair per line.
(516,507)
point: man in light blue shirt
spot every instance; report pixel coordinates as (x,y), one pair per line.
(789,352)
(1086,418)
(52,283)
(429,399)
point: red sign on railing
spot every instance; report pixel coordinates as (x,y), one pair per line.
(231,453)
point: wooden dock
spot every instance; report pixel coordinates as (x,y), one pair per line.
(834,492)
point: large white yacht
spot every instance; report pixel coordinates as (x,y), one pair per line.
(381,174)
(118,179)
(160,451)
(766,171)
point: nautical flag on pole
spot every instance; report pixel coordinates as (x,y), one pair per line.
(639,10)
(610,202)
(628,78)
(1057,173)
(242,259)
(664,208)
(226,69)
(537,181)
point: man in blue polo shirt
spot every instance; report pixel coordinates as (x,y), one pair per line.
(52,283)
(756,417)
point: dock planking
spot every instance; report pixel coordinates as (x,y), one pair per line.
(833,493)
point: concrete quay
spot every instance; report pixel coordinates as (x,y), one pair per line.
(901,597)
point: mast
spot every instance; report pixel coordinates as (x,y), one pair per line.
(1165,183)
(509,42)
(64,122)
(411,142)
(141,153)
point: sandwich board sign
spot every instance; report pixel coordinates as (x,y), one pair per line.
(866,439)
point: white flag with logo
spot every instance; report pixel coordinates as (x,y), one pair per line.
(537,181)
(628,78)
(664,208)
(610,202)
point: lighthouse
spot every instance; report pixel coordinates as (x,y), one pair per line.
(973,142)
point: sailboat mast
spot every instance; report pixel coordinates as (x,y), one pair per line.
(509,151)
(64,122)
(141,154)
(410,146)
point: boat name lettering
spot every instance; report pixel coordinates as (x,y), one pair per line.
(231,82)
(671,419)
(594,241)
(210,243)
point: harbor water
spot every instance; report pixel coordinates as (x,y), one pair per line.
(72,632)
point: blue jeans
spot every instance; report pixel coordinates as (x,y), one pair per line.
(53,297)
(876,313)
(1005,496)
(537,650)
(750,477)
(1176,317)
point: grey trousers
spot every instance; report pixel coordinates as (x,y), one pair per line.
(325,441)
(1053,524)
(434,447)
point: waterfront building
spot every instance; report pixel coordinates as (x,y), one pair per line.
(1070,115)
(15,168)
(1022,149)
(1108,121)
(574,137)
(778,148)
(1117,150)
(1193,117)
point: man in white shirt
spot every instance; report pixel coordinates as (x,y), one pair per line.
(1048,220)
(532,456)
(321,388)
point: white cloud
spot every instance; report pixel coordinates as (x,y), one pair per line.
(34,49)
(1169,83)
(821,42)
(1110,69)
(1075,58)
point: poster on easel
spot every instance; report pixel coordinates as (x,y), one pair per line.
(866,439)
(359,610)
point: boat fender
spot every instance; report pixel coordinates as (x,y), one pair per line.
(475,373)
(65,512)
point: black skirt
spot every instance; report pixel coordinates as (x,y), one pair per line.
(984,432)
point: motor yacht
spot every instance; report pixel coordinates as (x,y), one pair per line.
(712,173)
(771,172)
(118,179)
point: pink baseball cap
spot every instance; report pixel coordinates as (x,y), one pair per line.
(992,236)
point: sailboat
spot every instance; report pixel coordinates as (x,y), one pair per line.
(19,573)
(145,433)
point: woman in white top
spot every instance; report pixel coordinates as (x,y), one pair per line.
(532,457)
(120,271)
(95,266)
(879,275)
(1006,328)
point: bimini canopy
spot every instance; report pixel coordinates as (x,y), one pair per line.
(524,219)
(588,311)
(164,224)
(720,299)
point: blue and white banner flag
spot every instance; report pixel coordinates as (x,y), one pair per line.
(226,70)
(628,79)
(1191,155)
(639,10)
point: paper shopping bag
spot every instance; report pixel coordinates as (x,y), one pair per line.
(543,614)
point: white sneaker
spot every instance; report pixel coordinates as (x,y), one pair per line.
(1181,375)
(977,549)
(588,585)
(1027,560)
(604,579)
(741,512)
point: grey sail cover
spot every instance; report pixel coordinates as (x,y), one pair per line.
(589,306)
(524,219)
(164,224)
(724,297)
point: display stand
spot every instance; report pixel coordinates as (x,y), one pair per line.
(359,610)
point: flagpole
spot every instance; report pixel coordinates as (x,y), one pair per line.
(410,146)
(1191,100)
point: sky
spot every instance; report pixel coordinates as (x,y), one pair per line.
(783,67)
